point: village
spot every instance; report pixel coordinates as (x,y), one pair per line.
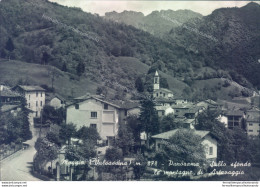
(95,131)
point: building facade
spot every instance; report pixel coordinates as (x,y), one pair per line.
(94,112)
(35,98)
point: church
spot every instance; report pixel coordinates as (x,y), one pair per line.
(160,92)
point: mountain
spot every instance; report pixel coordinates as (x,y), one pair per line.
(228,38)
(155,22)
(100,52)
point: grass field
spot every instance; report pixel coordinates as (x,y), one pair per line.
(14,72)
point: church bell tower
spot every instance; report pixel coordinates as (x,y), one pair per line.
(156,82)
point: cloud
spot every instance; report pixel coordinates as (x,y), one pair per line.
(102,6)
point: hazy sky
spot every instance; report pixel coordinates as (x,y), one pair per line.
(102,6)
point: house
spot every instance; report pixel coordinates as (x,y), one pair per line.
(209,142)
(164,110)
(94,111)
(160,92)
(253,122)
(7,96)
(55,101)
(234,118)
(209,104)
(35,98)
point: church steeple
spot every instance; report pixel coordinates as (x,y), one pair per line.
(156,81)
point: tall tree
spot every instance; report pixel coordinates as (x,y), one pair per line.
(26,133)
(139,85)
(80,68)
(125,139)
(9,46)
(149,118)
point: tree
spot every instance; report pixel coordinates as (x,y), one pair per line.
(125,139)
(53,74)
(134,126)
(139,170)
(127,51)
(208,121)
(46,152)
(9,46)
(80,68)
(67,131)
(139,85)
(149,118)
(163,83)
(23,117)
(88,133)
(53,137)
(45,57)
(167,123)
(113,154)
(116,51)
(64,67)
(54,115)
(184,146)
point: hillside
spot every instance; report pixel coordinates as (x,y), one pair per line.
(154,23)
(237,44)
(66,84)
(90,47)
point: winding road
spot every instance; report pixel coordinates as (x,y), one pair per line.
(18,166)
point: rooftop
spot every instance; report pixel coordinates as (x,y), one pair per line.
(31,88)
(234,113)
(9,93)
(115,103)
(6,108)
(168,134)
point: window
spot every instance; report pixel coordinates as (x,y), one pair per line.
(29,105)
(105,106)
(36,103)
(41,94)
(250,124)
(36,94)
(29,97)
(230,118)
(236,124)
(41,103)
(163,112)
(36,114)
(93,126)
(236,118)
(210,150)
(125,112)
(163,94)
(250,131)
(93,114)
(157,95)
(76,106)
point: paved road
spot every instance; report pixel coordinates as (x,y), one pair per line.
(18,166)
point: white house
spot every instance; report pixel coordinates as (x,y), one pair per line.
(253,123)
(209,142)
(92,111)
(35,98)
(56,101)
